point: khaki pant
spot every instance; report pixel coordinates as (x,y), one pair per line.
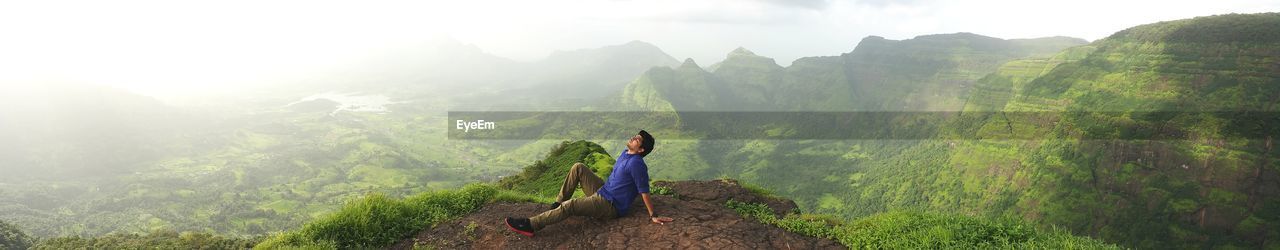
(592,205)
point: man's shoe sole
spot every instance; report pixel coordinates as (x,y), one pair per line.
(530,234)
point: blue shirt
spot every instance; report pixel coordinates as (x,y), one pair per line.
(629,178)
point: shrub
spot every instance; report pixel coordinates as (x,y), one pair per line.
(12,237)
(662,190)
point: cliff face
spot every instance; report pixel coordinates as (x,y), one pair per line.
(1203,89)
(701,221)
(932,73)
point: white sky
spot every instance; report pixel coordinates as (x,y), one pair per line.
(148,45)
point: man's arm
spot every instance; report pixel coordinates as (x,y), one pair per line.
(649,205)
(640,173)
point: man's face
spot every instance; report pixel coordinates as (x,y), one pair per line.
(634,144)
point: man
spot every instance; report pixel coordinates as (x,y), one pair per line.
(604,200)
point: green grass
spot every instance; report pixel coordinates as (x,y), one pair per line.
(544,177)
(378,221)
(282,206)
(504,195)
(380,176)
(759,190)
(160,239)
(915,230)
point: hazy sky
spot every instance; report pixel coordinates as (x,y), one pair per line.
(150,44)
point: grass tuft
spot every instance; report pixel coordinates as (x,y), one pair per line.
(378,221)
(913,230)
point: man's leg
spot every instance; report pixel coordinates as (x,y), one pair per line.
(579,174)
(592,206)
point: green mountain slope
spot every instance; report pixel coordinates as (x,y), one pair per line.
(545,177)
(933,72)
(1216,187)
(879,75)
(1210,186)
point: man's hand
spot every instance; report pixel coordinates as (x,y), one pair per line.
(661,220)
(649,205)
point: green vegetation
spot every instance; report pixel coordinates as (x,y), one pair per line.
(1202,191)
(12,237)
(1228,28)
(161,239)
(544,177)
(83,157)
(378,221)
(914,230)
(933,72)
(254,174)
(659,190)
(1208,187)
(758,190)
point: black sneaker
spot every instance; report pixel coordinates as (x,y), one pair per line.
(520,225)
(555,205)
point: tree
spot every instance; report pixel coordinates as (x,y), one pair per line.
(12,237)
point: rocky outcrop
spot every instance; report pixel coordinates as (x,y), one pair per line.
(701,222)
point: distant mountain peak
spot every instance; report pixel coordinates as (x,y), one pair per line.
(740,51)
(638,43)
(742,56)
(634,47)
(956,36)
(689,63)
(873,38)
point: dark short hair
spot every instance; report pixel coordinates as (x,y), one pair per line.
(646,142)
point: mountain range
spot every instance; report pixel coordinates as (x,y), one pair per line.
(1213,184)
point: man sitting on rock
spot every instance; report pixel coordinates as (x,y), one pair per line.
(604,200)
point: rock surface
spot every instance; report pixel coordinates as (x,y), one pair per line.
(701,222)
